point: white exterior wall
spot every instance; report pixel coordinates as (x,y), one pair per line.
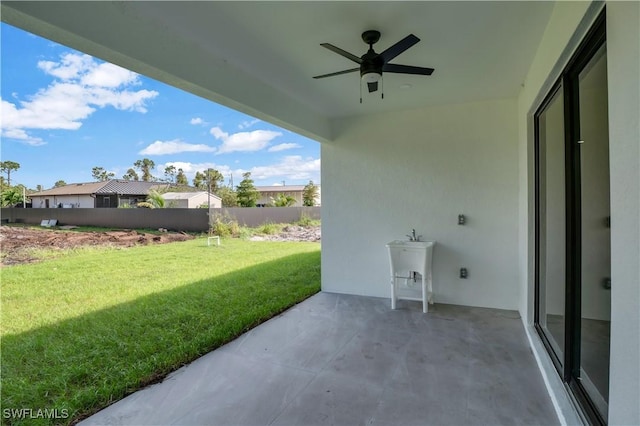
(194,201)
(623,44)
(267,197)
(389,173)
(78,201)
(568,24)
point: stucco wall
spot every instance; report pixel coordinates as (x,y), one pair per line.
(387,174)
(623,44)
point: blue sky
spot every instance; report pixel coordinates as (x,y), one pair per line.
(64,112)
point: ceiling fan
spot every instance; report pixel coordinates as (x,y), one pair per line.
(373,64)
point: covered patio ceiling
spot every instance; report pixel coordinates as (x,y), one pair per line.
(260,57)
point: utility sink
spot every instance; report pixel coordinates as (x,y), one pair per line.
(405,243)
(407,258)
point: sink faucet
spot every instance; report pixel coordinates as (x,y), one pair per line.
(413,237)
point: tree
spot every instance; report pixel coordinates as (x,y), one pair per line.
(170,173)
(101,175)
(209,179)
(156,199)
(145,166)
(7,167)
(214,179)
(39,188)
(11,196)
(131,175)
(199,181)
(59,184)
(181,178)
(228,196)
(246,192)
(309,194)
(283,200)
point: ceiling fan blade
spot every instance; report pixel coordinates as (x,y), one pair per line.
(407,69)
(399,47)
(337,73)
(341,52)
(372,86)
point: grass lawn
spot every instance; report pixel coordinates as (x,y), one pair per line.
(82,331)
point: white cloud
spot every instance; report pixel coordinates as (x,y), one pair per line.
(69,67)
(174,147)
(81,85)
(109,75)
(283,147)
(198,121)
(247,124)
(22,136)
(243,141)
(292,167)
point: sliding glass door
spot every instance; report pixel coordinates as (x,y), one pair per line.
(595,235)
(551,223)
(573,249)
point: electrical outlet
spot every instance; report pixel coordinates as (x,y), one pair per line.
(463,273)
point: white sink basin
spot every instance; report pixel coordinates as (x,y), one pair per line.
(405,244)
(406,258)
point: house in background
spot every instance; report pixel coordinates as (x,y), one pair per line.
(107,194)
(268,193)
(191,200)
(494,134)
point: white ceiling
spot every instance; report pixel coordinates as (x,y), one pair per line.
(260,57)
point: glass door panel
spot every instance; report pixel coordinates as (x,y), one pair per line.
(552,218)
(595,231)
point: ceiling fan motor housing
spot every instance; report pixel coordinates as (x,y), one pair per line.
(371,66)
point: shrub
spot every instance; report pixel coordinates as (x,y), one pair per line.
(269,228)
(224,226)
(305,220)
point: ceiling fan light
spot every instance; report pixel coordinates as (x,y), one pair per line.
(371,77)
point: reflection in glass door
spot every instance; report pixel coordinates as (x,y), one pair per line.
(551,222)
(595,231)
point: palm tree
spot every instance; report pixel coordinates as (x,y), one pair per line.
(156,199)
(11,196)
(283,200)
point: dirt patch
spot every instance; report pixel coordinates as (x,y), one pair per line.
(17,243)
(292,233)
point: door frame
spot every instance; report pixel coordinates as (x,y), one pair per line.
(569,367)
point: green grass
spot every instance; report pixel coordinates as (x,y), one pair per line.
(83,331)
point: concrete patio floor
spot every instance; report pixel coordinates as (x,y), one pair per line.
(350,360)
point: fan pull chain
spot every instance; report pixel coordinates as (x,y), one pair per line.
(360,91)
(381,87)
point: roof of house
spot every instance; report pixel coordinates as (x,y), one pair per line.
(71,189)
(106,187)
(185,195)
(280,188)
(129,187)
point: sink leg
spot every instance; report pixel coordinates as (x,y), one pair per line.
(393,292)
(425,303)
